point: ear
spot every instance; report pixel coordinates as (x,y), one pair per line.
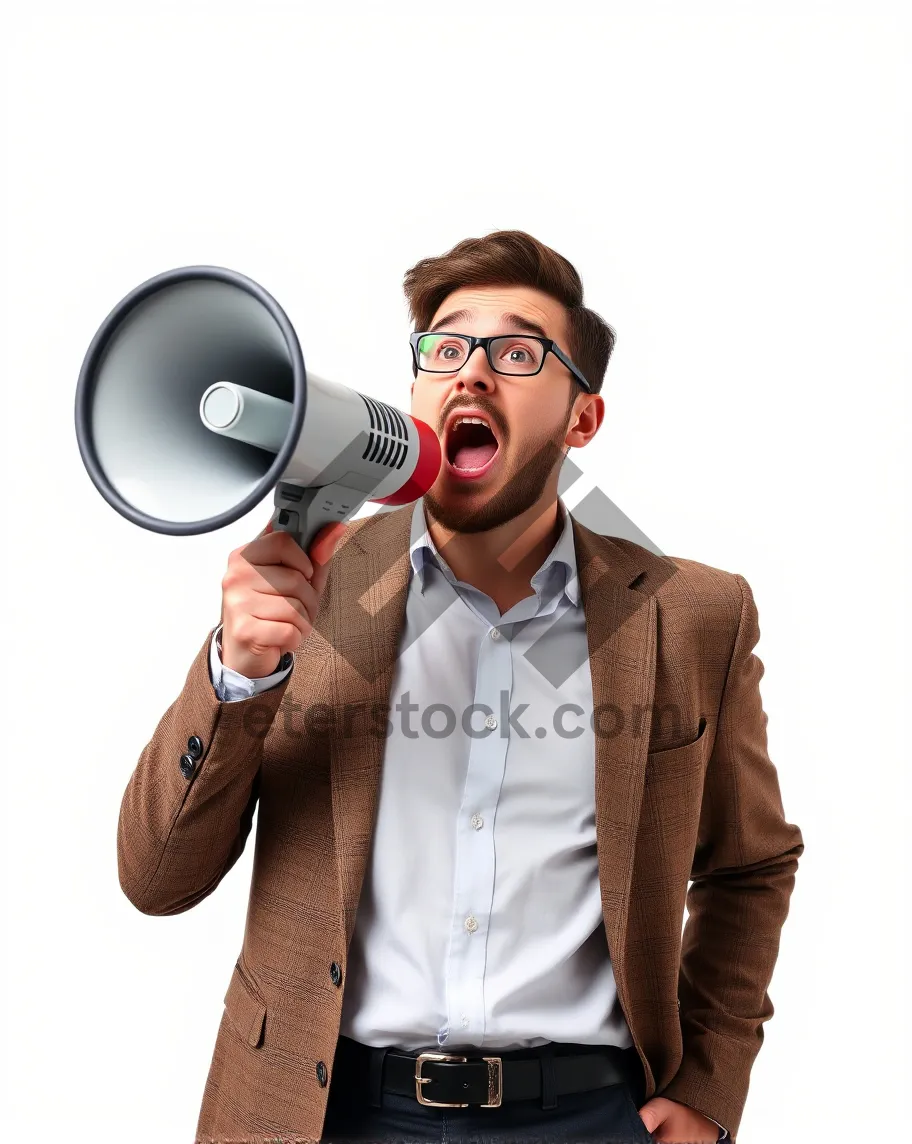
(586,422)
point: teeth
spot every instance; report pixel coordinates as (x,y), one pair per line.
(469,421)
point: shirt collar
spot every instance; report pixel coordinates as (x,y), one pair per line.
(560,562)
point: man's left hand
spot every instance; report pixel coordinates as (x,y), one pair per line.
(674,1123)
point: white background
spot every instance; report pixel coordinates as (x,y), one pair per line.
(730,179)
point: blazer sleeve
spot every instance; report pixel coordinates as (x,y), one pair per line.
(742,876)
(188,807)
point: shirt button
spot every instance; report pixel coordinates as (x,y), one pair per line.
(322,1074)
(335,973)
(477,821)
(495,634)
(471,924)
(465,1022)
(491,722)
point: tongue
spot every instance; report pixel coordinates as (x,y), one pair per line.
(474,456)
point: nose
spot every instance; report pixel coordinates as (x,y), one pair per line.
(475,376)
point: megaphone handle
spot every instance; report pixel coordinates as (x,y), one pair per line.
(304,510)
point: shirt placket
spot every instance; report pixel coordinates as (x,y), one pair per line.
(473,887)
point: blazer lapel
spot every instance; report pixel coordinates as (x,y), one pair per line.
(363,624)
(621,634)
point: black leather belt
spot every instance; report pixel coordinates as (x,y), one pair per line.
(486,1080)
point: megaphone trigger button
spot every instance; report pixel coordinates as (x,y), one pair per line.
(289,521)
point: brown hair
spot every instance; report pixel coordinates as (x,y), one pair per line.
(514,258)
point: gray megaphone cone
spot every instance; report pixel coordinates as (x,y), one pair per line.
(193,403)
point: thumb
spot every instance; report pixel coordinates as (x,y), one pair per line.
(651,1115)
(321,551)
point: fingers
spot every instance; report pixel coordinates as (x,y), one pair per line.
(255,635)
(280,609)
(272,547)
(256,591)
(277,579)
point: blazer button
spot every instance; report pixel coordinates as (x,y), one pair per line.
(194,746)
(322,1075)
(335,973)
(187,763)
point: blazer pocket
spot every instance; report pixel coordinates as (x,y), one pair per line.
(677,760)
(245,1008)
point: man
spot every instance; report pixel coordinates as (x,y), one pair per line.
(494,754)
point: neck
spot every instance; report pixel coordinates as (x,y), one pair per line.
(502,561)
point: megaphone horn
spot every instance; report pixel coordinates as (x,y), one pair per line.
(193,401)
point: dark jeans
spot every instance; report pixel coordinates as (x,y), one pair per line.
(602,1116)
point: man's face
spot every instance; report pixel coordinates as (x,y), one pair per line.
(490,476)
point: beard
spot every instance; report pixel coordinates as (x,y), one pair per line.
(522,490)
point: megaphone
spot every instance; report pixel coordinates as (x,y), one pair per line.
(193,402)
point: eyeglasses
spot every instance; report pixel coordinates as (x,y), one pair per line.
(511,354)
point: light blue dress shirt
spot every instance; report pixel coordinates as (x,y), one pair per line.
(480,921)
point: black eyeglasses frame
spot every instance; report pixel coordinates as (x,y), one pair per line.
(548,345)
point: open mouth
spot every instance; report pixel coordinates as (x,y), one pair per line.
(471,446)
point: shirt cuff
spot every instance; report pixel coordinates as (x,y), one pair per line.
(230,686)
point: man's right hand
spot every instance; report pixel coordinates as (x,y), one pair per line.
(270,598)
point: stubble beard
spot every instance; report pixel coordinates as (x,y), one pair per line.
(523,488)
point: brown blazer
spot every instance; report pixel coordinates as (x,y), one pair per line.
(684,790)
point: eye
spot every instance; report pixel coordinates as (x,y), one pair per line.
(437,347)
(521,352)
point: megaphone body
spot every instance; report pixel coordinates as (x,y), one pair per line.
(193,402)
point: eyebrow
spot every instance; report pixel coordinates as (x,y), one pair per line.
(516,320)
